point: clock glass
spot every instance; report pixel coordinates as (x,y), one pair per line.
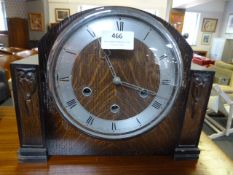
(115,93)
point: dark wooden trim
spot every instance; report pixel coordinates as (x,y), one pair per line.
(32,154)
(32,142)
(186,152)
(199,92)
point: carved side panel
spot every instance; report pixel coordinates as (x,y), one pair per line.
(26,95)
(27,85)
(199,92)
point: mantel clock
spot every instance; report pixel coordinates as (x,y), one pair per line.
(111,81)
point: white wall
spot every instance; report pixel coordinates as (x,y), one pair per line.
(36,7)
(189,3)
(227,11)
(212,6)
(46,13)
(16,8)
(73,5)
(213,9)
(199,45)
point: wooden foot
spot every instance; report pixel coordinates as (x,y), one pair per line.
(186,153)
(32,154)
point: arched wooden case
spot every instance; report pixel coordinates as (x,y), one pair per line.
(178,134)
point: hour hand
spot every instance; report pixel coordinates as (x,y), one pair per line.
(143,91)
(106,58)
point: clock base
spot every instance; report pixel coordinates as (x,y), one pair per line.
(32,154)
(186,153)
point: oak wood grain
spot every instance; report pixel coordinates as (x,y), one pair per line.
(212,160)
(136,67)
(26,96)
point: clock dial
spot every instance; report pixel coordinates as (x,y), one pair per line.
(136,67)
(115,94)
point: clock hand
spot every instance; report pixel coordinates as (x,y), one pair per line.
(137,88)
(117,81)
(110,66)
(107,59)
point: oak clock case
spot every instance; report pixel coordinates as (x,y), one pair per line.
(114,93)
(113,102)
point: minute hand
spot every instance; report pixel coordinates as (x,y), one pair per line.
(137,88)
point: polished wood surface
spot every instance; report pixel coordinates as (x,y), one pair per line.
(10,50)
(11,54)
(212,160)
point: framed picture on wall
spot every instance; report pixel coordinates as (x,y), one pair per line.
(176,19)
(206,38)
(61,14)
(229,28)
(209,25)
(36,22)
